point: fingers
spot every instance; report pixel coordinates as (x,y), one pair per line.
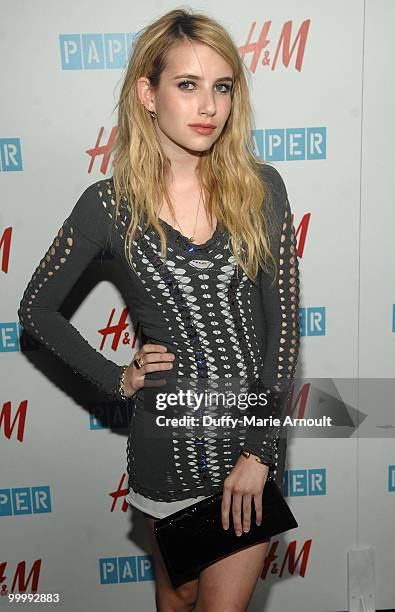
(149,348)
(240,502)
(225,507)
(155,357)
(258,509)
(236,513)
(237,501)
(154,353)
(247,513)
(244,502)
(153,366)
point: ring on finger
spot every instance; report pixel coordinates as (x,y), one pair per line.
(139,362)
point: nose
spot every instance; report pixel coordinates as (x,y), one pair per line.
(207,103)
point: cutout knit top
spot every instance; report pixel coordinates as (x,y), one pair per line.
(221,326)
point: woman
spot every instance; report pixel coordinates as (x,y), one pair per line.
(205,234)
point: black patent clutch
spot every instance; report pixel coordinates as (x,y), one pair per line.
(193,538)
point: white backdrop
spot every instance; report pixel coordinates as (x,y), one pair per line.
(63,478)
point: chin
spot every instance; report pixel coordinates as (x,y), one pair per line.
(194,148)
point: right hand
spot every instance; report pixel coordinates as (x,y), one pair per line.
(156,357)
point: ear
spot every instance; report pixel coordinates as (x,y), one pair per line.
(146,93)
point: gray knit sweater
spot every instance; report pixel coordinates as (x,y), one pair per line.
(230,336)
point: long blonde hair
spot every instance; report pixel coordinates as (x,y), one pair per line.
(228,173)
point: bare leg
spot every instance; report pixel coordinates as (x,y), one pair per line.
(228,584)
(167,598)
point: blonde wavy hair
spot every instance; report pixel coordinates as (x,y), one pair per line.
(228,172)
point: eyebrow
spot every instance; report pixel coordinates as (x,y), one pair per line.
(198,78)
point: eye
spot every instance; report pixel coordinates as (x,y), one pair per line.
(227,86)
(179,85)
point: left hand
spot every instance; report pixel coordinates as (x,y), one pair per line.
(246,481)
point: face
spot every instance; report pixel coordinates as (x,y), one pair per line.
(195,88)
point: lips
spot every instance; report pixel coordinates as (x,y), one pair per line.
(200,129)
(203,125)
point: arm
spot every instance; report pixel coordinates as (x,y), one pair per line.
(82,236)
(280,306)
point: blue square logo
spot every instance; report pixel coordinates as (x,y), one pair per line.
(11,155)
(9,337)
(70,51)
(391,478)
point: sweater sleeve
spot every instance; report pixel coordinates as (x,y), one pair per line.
(280,310)
(82,236)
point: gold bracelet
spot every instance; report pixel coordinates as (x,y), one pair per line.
(247,454)
(121,383)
